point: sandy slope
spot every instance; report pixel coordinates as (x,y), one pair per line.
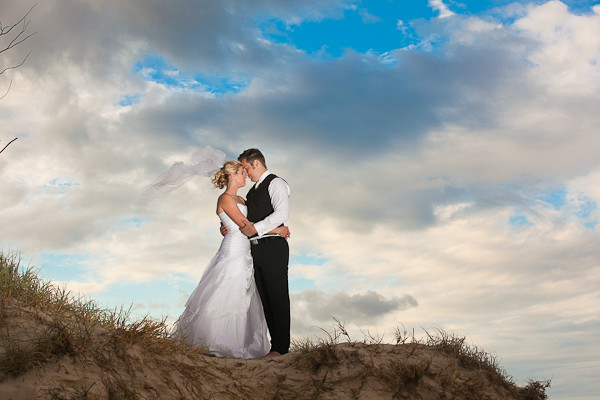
(71,361)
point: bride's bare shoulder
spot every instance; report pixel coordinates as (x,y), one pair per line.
(223,201)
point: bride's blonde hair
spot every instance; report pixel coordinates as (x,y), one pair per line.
(222,176)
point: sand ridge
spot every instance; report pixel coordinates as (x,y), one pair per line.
(125,364)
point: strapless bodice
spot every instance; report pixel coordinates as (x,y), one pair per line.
(234,241)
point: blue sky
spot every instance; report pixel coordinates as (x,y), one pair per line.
(442,157)
(373,26)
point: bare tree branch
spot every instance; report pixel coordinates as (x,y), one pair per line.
(20,37)
(16,40)
(7,145)
(7,90)
(7,29)
(15,66)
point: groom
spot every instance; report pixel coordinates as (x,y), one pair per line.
(269,207)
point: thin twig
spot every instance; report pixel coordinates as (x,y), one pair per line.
(8,145)
(18,39)
(10,27)
(7,90)
(15,66)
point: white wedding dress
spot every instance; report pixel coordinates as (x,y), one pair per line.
(224,313)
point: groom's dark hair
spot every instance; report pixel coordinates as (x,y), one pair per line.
(252,155)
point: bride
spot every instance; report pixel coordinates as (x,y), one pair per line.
(224,314)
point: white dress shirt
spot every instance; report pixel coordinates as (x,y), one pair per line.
(279,191)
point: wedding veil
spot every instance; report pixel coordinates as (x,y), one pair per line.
(204,162)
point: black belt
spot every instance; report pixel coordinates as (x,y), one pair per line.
(264,239)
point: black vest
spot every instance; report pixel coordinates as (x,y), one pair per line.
(259,201)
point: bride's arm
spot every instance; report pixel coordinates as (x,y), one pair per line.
(282,231)
(229,205)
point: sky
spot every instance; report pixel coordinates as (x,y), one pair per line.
(442,157)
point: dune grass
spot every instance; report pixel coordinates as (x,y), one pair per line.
(324,353)
(67,324)
(72,326)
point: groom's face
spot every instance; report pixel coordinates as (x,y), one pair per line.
(251,169)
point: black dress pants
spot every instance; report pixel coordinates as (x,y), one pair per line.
(271,256)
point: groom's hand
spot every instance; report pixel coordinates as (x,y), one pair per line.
(223,230)
(248,229)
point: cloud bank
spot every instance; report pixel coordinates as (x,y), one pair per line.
(450,182)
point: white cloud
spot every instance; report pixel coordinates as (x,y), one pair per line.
(568,54)
(83,289)
(406,177)
(367,17)
(441,8)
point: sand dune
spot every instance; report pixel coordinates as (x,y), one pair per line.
(127,364)
(53,346)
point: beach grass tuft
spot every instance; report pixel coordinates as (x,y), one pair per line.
(70,325)
(117,356)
